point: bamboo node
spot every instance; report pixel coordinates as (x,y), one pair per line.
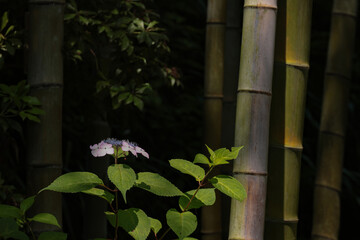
(265,6)
(254,91)
(251,173)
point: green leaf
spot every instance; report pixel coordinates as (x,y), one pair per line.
(133,220)
(190,238)
(122,176)
(229,186)
(52,236)
(155,225)
(47,218)
(100,193)
(222,155)
(4,21)
(204,197)
(183,224)
(201,158)
(8,211)
(188,167)
(69,16)
(212,154)
(138,103)
(74,182)
(157,184)
(27,203)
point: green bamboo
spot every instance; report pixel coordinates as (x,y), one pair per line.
(287,117)
(45,76)
(231,76)
(252,117)
(326,217)
(213,94)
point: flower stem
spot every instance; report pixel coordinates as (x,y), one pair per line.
(116,215)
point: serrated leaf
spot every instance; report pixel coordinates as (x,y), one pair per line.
(157,184)
(122,176)
(229,186)
(155,225)
(204,197)
(74,182)
(188,167)
(212,154)
(100,193)
(201,158)
(47,218)
(7,211)
(133,220)
(52,236)
(183,224)
(27,203)
(222,155)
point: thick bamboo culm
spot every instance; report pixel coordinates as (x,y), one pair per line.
(252,118)
(45,76)
(231,76)
(292,50)
(213,94)
(326,218)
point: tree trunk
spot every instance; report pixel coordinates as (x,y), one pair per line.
(252,117)
(45,76)
(287,117)
(213,91)
(231,76)
(326,218)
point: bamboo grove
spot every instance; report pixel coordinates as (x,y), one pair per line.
(256,70)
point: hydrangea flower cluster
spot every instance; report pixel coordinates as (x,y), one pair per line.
(109,145)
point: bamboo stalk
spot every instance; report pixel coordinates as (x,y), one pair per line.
(231,76)
(252,117)
(326,218)
(45,76)
(287,117)
(213,93)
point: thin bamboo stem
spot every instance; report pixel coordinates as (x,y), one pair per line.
(252,117)
(213,93)
(326,217)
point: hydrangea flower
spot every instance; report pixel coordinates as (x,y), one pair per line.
(109,145)
(101,149)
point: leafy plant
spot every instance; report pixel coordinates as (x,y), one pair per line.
(135,221)
(9,41)
(14,222)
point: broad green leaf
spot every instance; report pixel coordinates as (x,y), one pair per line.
(122,176)
(47,218)
(187,167)
(190,238)
(52,236)
(183,224)
(27,203)
(100,193)
(74,182)
(8,227)
(157,184)
(18,235)
(155,225)
(229,186)
(133,220)
(204,197)
(10,211)
(201,158)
